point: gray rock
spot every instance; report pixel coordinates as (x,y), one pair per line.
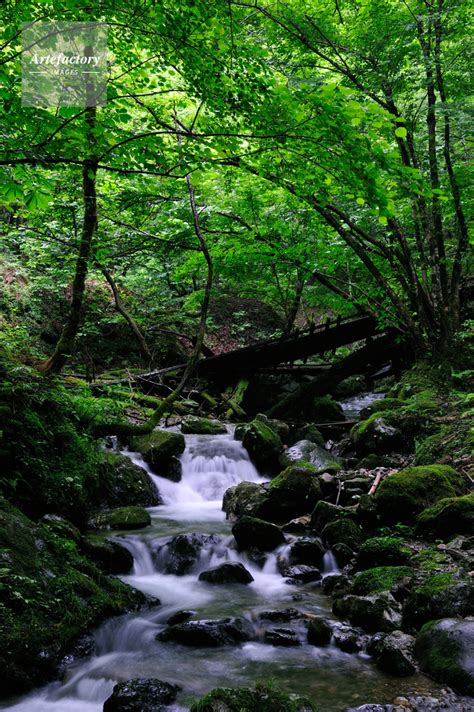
(209,633)
(394,653)
(302,574)
(252,532)
(445,650)
(183,550)
(284,637)
(141,695)
(379,612)
(319,631)
(307,451)
(227,573)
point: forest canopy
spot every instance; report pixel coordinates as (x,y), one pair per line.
(324,147)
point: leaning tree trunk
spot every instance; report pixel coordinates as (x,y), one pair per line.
(66,341)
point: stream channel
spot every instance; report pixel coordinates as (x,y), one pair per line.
(126,648)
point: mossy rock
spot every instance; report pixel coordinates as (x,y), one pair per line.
(445,650)
(372,461)
(110,557)
(263,698)
(380,578)
(307,432)
(382,551)
(308,453)
(159,449)
(246,498)
(264,447)
(281,428)
(124,483)
(343,531)
(376,435)
(403,495)
(292,493)
(380,406)
(326,410)
(439,596)
(251,532)
(195,425)
(450,516)
(121,518)
(50,594)
(326,512)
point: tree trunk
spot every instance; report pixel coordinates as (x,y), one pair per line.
(128,318)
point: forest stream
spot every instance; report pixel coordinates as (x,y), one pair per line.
(126,646)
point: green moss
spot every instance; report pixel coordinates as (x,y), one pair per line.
(263,445)
(383,551)
(205,426)
(405,494)
(442,649)
(381,578)
(49,595)
(159,447)
(429,560)
(47,463)
(435,584)
(450,516)
(264,698)
(121,518)
(382,405)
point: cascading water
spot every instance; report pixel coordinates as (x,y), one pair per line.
(126,647)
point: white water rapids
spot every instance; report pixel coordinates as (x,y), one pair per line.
(126,647)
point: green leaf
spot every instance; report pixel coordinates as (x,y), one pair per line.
(401,132)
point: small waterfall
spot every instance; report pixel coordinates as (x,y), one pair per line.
(209,466)
(329,564)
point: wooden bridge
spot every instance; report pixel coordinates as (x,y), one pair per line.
(320,339)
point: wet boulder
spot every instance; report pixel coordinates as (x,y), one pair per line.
(227,573)
(301,574)
(141,695)
(122,483)
(349,640)
(326,410)
(293,493)
(180,617)
(376,435)
(246,498)
(160,450)
(209,633)
(250,532)
(439,596)
(111,557)
(394,653)
(318,631)
(284,637)
(307,452)
(445,651)
(326,512)
(281,428)
(263,445)
(343,531)
(403,495)
(194,425)
(280,616)
(382,551)
(450,516)
(263,699)
(381,578)
(182,551)
(379,612)
(120,518)
(307,550)
(307,432)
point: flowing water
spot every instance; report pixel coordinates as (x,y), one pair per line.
(126,646)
